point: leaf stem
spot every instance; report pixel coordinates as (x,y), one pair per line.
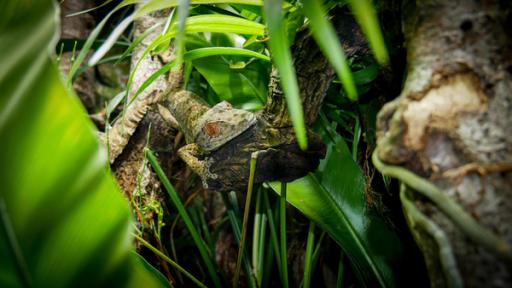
(284,254)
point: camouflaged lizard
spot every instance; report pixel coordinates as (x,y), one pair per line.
(221,140)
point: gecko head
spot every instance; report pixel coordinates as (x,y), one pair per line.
(220,124)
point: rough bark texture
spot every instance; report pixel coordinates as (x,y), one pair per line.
(314,73)
(284,161)
(452,124)
(280,157)
(129,136)
(125,126)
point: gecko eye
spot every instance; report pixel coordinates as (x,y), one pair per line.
(212,129)
(228,105)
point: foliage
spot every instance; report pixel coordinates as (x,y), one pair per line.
(334,197)
(63,219)
(224,48)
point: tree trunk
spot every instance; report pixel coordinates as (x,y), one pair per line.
(452,125)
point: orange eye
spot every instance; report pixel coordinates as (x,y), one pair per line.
(212,129)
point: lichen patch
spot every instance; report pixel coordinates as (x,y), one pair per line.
(440,107)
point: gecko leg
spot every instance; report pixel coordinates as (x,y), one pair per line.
(190,153)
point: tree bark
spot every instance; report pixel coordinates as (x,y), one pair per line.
(314,72)
(452,125)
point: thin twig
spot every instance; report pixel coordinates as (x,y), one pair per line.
(241,249)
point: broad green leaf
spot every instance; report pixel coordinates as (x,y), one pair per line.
(325,36)
(282,58)
(245,88)
(334,198)
(155,5)
(366,16)
(63,220)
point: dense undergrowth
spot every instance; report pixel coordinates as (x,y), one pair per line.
(340,226)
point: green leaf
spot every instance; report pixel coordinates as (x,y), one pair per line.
(203,23)
(175,198)
(334,198)
(366,16)
(88,10)
(214,51)
(87,47)
(282,58)
(64,222)
(111,40)
(155,5)
(245,88)
(325,36)
(151,78)
(179,44)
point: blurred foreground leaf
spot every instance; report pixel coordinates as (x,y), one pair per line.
(334,199)
(282,59)
(63,222)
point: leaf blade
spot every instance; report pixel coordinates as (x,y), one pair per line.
(334,199)
(282,58)
(326,38)
(366,16)
(53,170)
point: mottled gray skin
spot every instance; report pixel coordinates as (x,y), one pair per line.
(206,129)
(220,124)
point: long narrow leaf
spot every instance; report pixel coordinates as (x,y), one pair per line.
(214,51)
(179,44)
(282,58)
(170,261)
(111,40)
(186,218)
(87,47)
(203,23)
(155,5)
(334,198)
(89,10)
(152,78)
(325,36)
(259,238)
(308,255)
(137,41)
(366,16)
(282,230)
